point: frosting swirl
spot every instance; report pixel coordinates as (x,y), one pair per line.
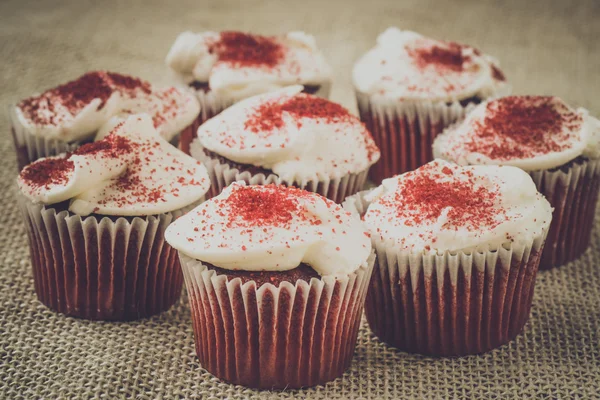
(529,132)
(130,172)
(237,65)
(299,137)
(272,228)
(445,207)
(77,109)
(405,65)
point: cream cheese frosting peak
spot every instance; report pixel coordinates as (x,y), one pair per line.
(272,228)
(77,109)
(529,132)
(132,171)
(237,65)
(297,136)
(445,207)
(405,65)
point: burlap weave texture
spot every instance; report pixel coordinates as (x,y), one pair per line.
(545,47)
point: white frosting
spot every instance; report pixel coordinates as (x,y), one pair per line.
(477,141)
(147,177)
(457,213)
(302,148)
(192,59)
(172,109)
(391,71)
(286,227)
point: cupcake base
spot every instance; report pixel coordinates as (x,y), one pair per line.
(275,337)
(102,268)
(573,192)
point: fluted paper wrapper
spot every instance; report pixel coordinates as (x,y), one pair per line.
(113,268)
(30,147)
(405,131)
(453,304)
(211,104)
(296,335)
(573,193)
(222,175)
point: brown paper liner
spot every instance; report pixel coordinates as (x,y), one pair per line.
(222,175)
(450,304)
(109,268)
(404,132)
(296,335)
(211,105)
(573,192)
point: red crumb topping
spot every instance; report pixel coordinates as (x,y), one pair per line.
(50,171)
(113,145)
(273,206)
(269,116)
(522,127)
(75,95)
(426,193)
(243,49)
(444,58)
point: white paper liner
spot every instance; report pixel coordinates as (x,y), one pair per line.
(573,192)
(30,147)
(222,175)
(450,304)
(295,335)
(404,131)
(113,268)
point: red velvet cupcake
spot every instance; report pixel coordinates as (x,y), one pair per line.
(410,87)
(226,67)
(276,278)
(96,217)
(63,118)
(557,145)
(458,250)
(287,137)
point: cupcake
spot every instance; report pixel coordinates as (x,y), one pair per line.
(287,137)
(96,218)
(458,250)
(229,66)
(276,278)
(63,118)
(410,87)
(557,145)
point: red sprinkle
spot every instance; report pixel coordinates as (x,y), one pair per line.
(274,205)
(447,58)
(51,171)
(77,94)
(521,127)
(243,49)
(113,145)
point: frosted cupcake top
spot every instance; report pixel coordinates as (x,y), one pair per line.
(445,207)
(405,65)
(131,172)
(529,132)
(77,109)
(299,137)
(237,65)
(272,228)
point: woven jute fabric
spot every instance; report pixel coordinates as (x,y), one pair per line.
(545,47)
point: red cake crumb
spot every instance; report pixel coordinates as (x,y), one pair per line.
(113,145)
(443,58)
(50,171)
(77,94)
(242,49)
(269,116)
(521,127)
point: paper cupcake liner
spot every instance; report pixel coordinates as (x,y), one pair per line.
(405,131)
(450,304)
(30,148)
(222,175)
(573,192)
(113,268)
(211,105)
(296,335)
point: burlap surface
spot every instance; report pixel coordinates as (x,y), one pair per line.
(545,47)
